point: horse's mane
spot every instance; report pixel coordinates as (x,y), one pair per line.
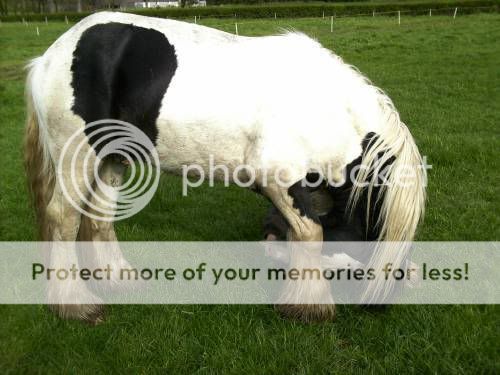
(401,198)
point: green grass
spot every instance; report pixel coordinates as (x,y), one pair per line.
(443,76)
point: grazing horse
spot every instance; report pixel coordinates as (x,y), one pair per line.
(275,103)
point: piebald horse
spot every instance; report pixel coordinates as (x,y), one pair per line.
(279,102)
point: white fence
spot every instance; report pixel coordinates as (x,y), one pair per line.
(328,19)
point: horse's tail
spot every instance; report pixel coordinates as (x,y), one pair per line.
(39,167)
(393,184)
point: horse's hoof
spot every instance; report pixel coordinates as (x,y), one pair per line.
(97,317)
(307,313)
(92,314)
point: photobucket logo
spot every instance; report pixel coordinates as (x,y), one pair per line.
(94,175)
(379,174)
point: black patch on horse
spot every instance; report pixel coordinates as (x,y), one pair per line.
(357,226)
(337,224)
(302,201)
(122,72)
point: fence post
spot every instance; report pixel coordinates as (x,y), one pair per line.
(37,31)
(399,17)
(46,20)
(274,15)
(323,14)
(236,28)
(373,13)
(455,14)
(195,19)
(430,12)
(331,24)
(66,19)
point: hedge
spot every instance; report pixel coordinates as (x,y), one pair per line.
(283,10)
(260,2)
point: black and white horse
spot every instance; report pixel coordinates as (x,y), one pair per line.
(271,103)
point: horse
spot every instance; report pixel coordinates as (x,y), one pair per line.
(273,103)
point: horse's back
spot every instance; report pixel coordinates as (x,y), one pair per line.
(202,91)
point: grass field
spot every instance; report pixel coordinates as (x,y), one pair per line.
(443,76)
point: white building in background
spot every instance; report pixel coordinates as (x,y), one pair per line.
(167,4)
(156,4)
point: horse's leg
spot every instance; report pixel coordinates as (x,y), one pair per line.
(296,206)
(69,298)
(307,300)
(111,174)
(105,250)
(275,225)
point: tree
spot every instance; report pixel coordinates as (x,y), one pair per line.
(51,6)
(3,7)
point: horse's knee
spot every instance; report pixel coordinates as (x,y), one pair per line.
(307,226)
(96,230)
(52,213)
(102,231)
(307,230)
(314,231)
(62,220)
(296,206)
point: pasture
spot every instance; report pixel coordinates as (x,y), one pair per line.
(442,74)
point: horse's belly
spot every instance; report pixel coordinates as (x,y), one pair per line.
(199,145)
(202,123)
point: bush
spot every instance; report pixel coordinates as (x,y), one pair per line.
(282,10)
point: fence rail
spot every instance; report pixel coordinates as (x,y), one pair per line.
(235,23)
